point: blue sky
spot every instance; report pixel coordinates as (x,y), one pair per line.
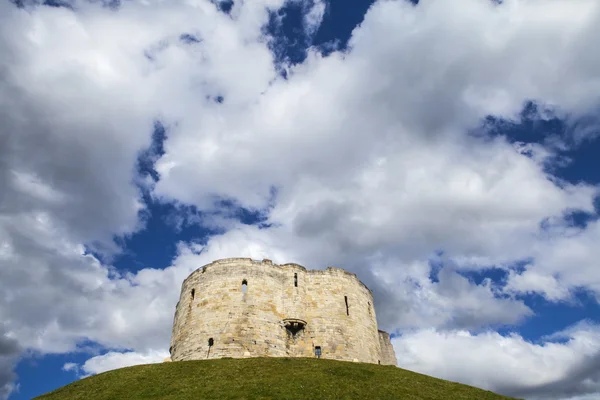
(448,156)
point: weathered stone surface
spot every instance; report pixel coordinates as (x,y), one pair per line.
(283,311)
(388,356)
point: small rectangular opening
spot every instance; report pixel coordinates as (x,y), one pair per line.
(346,301)
(318,351)
(295,280)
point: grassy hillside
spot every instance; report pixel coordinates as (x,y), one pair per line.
(265,378)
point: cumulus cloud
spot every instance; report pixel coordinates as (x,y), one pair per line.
(114,360)
(384,177)
(548,369)
(314,16)
(383,165)
(9,350)
(360,159)
(80,92)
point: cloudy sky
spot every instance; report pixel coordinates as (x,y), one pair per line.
(446,152)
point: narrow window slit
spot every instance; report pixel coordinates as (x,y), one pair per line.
(192,294)
(295,280)
(346,301)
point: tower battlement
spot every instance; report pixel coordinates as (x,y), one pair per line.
(239,307)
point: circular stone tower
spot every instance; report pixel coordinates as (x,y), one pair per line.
(238,307)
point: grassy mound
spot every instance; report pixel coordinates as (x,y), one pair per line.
(265,378)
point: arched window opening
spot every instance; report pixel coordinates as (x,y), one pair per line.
(193,293)
(318,351)
(295,280)
(293,325)
(211,342)
(346,301)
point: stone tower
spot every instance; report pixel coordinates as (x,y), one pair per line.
(238,307)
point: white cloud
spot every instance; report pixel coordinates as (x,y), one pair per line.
(382,165)
(70,366)
(508,364)
(115,360)
(534,282)
(314,16)
(334,143)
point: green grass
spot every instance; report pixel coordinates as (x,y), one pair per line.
(265,378)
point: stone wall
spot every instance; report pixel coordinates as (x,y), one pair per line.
(239,307)
(388,356)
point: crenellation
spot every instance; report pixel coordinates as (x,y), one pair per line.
(239,307)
